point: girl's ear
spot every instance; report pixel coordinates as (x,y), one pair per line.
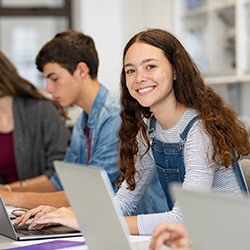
(175,76)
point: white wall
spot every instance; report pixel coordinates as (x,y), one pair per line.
(101,20)
(112,22)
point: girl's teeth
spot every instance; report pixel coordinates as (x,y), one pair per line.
(145,89)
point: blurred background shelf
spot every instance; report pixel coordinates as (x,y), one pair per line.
(217,35)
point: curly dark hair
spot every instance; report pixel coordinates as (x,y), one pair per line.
(221,122)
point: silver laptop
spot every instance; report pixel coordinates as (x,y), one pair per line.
(23,233)
(215,221)
(90,194)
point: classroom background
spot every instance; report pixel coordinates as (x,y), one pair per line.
(215,32)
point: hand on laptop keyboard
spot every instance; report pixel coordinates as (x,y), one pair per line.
(44,216)
(17,212)
(34,214)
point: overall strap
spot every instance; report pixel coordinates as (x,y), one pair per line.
(239,174)
(152,122)
(188,127)
(184,134)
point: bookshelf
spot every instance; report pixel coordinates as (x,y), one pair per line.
(217,35)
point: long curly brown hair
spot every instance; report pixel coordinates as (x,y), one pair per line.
(227,132)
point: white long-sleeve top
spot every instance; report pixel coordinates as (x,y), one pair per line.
(200,173)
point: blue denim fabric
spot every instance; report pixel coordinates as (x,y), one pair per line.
(153,200)
(103,122)
(239,175)
(170,161)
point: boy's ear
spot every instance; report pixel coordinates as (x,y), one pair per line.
(82,68)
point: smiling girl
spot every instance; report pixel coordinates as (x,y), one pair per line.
(174,126)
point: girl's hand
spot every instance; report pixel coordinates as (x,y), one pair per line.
(63,216)
(34,214)
(172,235)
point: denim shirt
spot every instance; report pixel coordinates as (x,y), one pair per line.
(103,123)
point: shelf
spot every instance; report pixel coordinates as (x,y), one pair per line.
(216,33)
(215,5)
(206,7)
(227,79)
(194,12)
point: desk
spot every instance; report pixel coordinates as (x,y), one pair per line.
(141,242)
(5,242)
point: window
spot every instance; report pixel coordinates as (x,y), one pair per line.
(25,26)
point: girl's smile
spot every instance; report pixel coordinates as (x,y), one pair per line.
(149,75)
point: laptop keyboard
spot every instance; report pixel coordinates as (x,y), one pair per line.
(45,231)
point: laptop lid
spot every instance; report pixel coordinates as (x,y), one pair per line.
(8,229)
(215,221)
(91,196)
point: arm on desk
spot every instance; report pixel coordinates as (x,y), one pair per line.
(33,199)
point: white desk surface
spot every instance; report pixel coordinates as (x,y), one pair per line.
(141,241)
(6,242)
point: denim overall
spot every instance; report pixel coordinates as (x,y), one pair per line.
(169,159)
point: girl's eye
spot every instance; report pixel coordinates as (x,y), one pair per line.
(150,66)
(129,71)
